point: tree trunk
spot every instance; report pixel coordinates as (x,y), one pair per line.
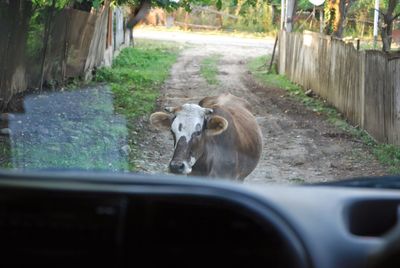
(220,20)
(238,7)
(335,14)
(338,28)
(273,10)
(387,26)
(291,11)
(186,21)
(386,33)
(139,13)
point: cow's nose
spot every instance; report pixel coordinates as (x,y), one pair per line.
(177,167)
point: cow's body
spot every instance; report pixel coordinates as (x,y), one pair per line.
(236,152)
(217,138)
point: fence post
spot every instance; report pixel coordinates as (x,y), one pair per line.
(273,54)
(282,52)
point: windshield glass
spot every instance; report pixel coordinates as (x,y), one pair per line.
(246,91)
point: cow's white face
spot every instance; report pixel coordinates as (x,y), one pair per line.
(187,129)
(189,124)
(189,120)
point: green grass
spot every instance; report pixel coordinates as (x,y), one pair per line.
(388,155)
(136,76)
(135,79)
(5,154)
(209,69)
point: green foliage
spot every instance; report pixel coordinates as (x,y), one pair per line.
(209,70)
(98,3)
(304,5)
(35,37)
(47,3)
(363,12)
(301,4)
(63,3)
(253,16)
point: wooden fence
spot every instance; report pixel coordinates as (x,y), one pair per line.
(363,85)
(77,42)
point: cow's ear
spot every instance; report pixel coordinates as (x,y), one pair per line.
(216,125)
(161,120)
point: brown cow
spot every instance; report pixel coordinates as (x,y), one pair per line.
(217,138)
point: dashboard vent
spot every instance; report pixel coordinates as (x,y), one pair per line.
(38,230)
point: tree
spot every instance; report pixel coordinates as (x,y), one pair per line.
(335,16)
(362,12)
(387,19)
(291,11)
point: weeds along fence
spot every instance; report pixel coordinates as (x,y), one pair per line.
(363,85)
(48,46)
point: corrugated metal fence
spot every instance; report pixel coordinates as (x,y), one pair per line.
(363,85)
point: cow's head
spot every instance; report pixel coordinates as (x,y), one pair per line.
(190,126)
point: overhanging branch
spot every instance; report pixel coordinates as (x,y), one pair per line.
(144,9)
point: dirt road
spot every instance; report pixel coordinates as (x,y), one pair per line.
(299,146)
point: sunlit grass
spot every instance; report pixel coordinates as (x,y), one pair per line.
(136,76)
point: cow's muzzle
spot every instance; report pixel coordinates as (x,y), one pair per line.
(179,167)
(178,164)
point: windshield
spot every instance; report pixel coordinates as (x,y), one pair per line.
(216,89)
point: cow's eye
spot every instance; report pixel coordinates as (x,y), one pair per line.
(197,133)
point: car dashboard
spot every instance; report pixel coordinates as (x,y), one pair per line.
(80,219)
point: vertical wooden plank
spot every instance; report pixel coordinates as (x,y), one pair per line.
(388,99)
(374,87)
(392,99)
(282,52)
(109,38)
(396,106)
(362,77)
(97,46)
